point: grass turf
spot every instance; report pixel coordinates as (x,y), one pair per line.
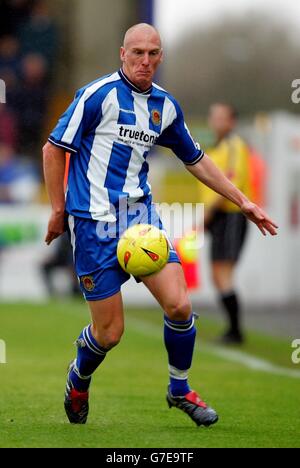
(128,407)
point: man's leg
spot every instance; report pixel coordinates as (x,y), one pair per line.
(169,288)
(223,278)
(228,237)
(92,346)
(97,339)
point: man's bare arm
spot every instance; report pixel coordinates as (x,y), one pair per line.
(54,170)
(206,171)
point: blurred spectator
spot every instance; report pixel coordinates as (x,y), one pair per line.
(29,102)
(39,33)
(28,43)
(8,127)
(18,178)
(9,63)
(9,53)
(13,14)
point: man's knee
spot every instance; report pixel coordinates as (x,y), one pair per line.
(108,338)
(217,279)
(222,276)
(180,309)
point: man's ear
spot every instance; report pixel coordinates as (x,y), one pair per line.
(122,54)
(161,56)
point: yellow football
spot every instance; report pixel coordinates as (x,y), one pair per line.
(142,250)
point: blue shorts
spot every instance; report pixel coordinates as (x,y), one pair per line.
(95,255)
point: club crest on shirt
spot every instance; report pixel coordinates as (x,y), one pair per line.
(156,117)
(88,283)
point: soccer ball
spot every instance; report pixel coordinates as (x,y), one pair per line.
(142,250)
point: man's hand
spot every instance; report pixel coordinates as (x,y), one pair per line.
(56,227)
(259,217)
(206,171)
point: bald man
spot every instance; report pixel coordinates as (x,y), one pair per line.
(109,129)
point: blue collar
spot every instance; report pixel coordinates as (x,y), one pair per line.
(131,85)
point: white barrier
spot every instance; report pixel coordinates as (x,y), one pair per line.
(20,277)
(269,269)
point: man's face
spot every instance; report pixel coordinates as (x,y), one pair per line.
(220,120)
(141,56)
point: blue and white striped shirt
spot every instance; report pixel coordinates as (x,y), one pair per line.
(110,128)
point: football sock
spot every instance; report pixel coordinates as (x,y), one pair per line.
(232,308)
(179,341)
(89,355)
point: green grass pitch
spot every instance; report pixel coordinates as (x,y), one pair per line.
(127,404)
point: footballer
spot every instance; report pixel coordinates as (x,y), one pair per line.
(109,129)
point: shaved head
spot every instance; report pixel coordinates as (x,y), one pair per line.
(141,30)
(141,54)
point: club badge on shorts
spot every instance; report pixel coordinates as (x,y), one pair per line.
(88,283)
(156,117)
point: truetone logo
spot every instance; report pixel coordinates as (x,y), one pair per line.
(142,137)
(2,352)
(2,92)
(296,353)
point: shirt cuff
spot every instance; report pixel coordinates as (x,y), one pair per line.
(63,145)
(198,158)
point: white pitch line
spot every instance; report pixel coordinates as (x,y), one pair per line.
(252,362)
(245,359)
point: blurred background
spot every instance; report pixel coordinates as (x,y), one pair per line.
(242,52)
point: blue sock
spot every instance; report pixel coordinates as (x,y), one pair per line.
(89,355)
(179,341)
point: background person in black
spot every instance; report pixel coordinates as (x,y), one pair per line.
(224,220)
